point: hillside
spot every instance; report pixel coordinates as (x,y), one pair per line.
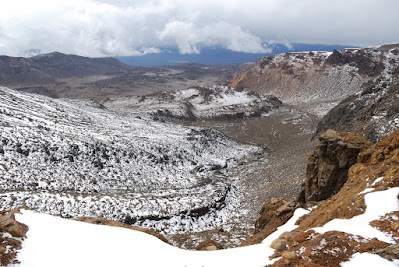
(77,158)
(373,112)
(50,67)
(156,160)
(351,228)
(318,80)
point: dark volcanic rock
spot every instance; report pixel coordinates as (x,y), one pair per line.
(374,112)
(328,165)
(361,59)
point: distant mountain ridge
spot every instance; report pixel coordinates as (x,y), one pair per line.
(52,66)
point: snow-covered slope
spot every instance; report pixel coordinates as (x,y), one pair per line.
(80,244)
(75,158)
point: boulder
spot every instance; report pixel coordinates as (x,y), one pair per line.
(10,225)
(209,245)
(328,165)
(390,253)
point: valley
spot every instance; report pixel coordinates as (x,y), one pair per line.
(193,152)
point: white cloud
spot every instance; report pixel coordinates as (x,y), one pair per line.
(123,27)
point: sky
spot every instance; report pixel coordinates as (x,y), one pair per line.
(136,27)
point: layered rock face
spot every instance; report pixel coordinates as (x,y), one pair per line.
(328,165)
(327,172)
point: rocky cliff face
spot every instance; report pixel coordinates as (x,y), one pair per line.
(328,165)
(327,172)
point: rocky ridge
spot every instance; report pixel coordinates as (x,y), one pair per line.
(376,170)
(318,81)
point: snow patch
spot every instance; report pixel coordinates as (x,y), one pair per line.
(378,204)
(367,259)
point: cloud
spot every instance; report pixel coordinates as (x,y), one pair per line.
(190,37)
(125,27)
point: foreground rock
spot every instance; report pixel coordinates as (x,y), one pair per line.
(327,172)
(377,169)
(12,233)
(273,214)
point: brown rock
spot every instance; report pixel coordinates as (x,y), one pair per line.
(395,226)
(390,253)
(279,244)
(275,209)
(10,225)
(273,214)
(213,247)
(209,245)
(289,255)
(328,165)
(2,249)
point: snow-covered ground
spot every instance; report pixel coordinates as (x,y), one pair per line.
(78,158)
(53,241)
(367,259)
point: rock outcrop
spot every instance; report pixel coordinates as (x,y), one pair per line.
(11,234)
(327,172)
(377,169)
(328,165)
(10,225)
(273,214)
